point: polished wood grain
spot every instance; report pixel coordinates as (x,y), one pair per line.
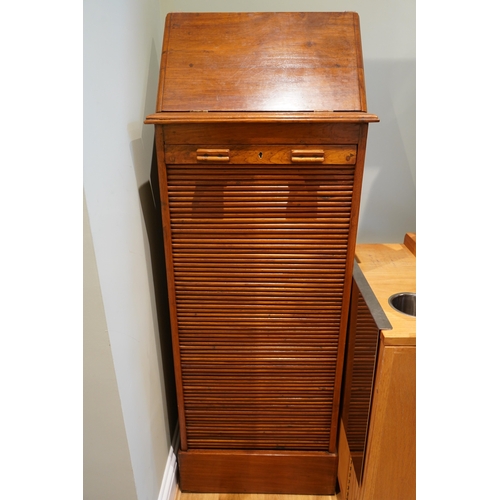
(391,449)
(257,472)
(262,154)
(227,134)
(262,125)
(269,118)
(267,61)
(250,496)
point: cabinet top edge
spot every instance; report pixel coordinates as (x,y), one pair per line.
(256,117)
(259,13)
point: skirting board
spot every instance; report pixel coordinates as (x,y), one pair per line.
(170,484)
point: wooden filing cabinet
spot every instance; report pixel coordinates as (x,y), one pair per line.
(261,130)
(377,435)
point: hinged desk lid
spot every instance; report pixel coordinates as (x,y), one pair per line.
(262,62)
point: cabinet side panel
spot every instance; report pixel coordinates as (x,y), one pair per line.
(359,56)
(167,236)
(391,450)
(351,247)
(163,64)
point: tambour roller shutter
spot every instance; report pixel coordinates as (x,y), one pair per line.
(366,320)
(360,369)
(259,262)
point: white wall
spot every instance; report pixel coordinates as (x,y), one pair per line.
(122,45)
(107,469)
(121,55)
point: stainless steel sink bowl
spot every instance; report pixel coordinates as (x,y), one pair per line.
(405,303)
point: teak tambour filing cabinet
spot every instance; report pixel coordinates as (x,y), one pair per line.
(261,129)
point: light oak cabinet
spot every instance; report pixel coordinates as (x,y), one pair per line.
(377,440)
(261,130)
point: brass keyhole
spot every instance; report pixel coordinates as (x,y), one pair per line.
(260,154)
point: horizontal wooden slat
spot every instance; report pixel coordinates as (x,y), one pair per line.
(259,266)
(363,347)
(241,172)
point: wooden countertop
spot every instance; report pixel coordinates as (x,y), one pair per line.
(390,269)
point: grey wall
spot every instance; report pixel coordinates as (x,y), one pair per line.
(121,64)
(122,45)
(107,469)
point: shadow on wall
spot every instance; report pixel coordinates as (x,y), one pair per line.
(388,201)
(145,168)
(152,218)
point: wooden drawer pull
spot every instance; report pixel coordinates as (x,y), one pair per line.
(308,156)
(212,155)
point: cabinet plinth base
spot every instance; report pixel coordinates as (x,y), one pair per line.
(220,471)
